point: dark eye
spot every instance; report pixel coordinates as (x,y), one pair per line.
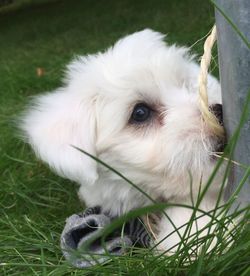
(141,113)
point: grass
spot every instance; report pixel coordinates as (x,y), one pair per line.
(33,201)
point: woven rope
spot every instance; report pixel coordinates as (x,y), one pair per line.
(208,117)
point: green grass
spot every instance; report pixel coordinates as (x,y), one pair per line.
(33,201)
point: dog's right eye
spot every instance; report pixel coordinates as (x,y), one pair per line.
(141,113)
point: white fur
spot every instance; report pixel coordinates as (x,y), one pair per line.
(92,110)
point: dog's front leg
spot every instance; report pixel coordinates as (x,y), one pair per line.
(183,227)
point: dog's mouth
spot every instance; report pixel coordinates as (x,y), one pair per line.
(221,142)
(219,149)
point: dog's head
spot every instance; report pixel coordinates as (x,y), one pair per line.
(136,107)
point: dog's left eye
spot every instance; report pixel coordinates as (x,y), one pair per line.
(141,113)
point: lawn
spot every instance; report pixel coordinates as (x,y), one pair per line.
(36,42)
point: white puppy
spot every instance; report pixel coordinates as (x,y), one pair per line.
(135,107)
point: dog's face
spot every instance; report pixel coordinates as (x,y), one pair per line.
(135,107)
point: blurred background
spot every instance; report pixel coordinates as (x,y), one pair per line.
(37,39)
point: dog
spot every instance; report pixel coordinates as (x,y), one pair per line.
(135,107)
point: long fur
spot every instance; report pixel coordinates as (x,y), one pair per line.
(92,111)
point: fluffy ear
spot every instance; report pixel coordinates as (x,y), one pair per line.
(57,121)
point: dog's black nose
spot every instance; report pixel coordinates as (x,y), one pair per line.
(216,109)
